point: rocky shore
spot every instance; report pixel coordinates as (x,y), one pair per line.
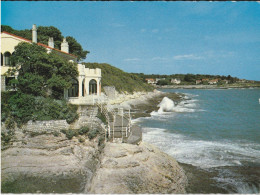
(51,163)
(144,103)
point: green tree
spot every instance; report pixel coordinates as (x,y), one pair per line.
(40,73)
(189,78)
(7,28)
(163,82)
(76,49)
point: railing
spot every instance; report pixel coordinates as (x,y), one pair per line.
(111,117)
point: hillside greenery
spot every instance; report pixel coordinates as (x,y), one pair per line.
(185,78)
(122,81)
(43,34)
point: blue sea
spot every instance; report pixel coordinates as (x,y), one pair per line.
(212,129)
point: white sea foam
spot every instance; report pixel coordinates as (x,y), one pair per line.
(167,105)
(236,182)
(204,154)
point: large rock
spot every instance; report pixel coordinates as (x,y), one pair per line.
(127,168)
(48,164)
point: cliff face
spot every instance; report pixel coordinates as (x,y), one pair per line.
(53,164)
(48,164)
(127,168)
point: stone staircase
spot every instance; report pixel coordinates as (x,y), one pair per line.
(118,125)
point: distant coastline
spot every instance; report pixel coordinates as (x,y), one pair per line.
(228,86)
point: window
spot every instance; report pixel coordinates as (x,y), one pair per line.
(7,61)
(2,60)
(92,87)
(83,87)
(74,90)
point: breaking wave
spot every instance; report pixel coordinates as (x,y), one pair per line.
(167,105)
(201,153)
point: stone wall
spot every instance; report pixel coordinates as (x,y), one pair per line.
(110,91)
(87,117)
(42,126)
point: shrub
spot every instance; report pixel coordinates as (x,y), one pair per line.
(101,116)
(9,123)
(69,133)
(93,133)
(83,130)
(21,108)
(56,133)
(6,137)
(101,140)
(81,140)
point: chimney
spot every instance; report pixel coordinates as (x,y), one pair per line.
(65,46)
(51,42)
(34,34)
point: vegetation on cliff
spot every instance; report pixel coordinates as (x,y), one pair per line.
(123,82)
(38,90)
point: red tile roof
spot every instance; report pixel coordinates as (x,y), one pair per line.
(46,46)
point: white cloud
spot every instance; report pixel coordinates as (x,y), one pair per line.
(188,57)
(143,30)
(132,59)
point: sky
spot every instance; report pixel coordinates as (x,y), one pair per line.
(219,38)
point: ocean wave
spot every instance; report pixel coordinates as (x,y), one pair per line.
(167,105)
(201,153)
(236,183)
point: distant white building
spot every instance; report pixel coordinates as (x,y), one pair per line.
(198,82)
(225,81)
(175,81)
(150,81)
(214,81)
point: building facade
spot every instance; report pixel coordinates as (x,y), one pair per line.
(88,82)
(176,81)
(150,81)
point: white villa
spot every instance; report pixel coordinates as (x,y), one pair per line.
(86,89)
(175,81)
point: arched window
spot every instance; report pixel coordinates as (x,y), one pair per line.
(7,61)
(2,60)
(83,87)
(74,90)
(92,86)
